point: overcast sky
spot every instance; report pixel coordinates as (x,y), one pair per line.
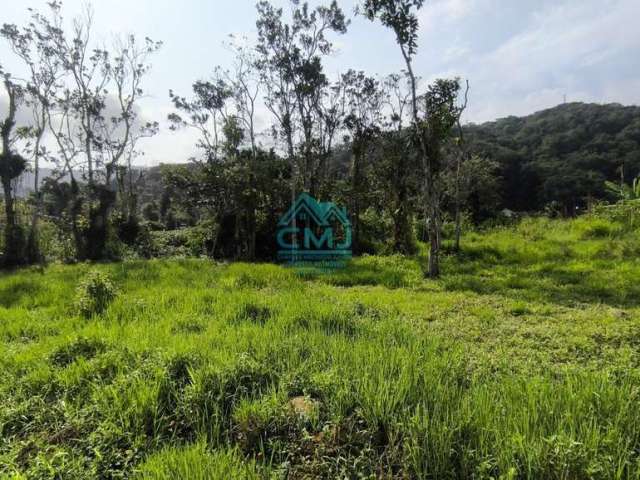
(519,56)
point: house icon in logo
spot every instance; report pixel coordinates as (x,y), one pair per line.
(314,231)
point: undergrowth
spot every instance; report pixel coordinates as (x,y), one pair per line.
(521,362)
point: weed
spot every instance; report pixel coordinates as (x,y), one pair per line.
(521,362)
(94,294)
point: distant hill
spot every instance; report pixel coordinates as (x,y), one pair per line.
(559,156)
(24,185)
(562,154)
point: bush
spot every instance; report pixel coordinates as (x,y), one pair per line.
(94,294)
(597,229)
(626,213)
(185,242)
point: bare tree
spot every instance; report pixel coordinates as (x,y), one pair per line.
(44,74)
(431,113)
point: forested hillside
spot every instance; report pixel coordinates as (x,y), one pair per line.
(560,157)
(555,159)
(391,151)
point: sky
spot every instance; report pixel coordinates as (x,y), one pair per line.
(518,56)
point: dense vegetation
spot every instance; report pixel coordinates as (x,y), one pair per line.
(464,340)
(520,362)
(556,162)
(389,148)
(559,158)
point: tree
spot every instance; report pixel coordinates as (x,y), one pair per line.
(92,113)
(400,16)
(246,84)
(221,185)
(399,155)
(363,120)
(296,85)
(204,112)
(43,68)
(468,178)
(11,167)
(441,108)
(120,135)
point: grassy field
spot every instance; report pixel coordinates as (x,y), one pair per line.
(521,362)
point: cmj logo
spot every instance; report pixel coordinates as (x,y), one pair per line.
(314,233)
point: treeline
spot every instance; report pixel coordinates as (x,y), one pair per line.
(390,149)
(533,164)
(558,160)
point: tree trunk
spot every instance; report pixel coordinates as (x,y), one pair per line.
(33,245)
(428,166)
(74,211)
(12,234)
(433,224)
(403,241)
(434,244)
(355,192)
(456,245)
(11,167)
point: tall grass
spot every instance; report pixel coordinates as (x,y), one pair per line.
(521,362)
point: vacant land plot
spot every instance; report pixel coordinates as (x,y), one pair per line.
(521,362)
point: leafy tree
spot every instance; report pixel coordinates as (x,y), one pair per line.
(297,89)
(398,158)
(363,120)
(11,167)
(433,114)
(204,112)
(228,174)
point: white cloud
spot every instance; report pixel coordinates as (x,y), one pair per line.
(519,56)
(581,50)
(445,11)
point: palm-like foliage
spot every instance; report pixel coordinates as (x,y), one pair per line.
(624,191)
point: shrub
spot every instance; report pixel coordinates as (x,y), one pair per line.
(81,347)
(252,312)
(627,213)
(94,294)
(595,229)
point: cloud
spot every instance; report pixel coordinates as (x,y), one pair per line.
(583,50)
(519,56)
(445,11)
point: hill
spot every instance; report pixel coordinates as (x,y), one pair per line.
(559,158)
(561,155)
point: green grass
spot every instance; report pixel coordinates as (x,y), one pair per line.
(521,362)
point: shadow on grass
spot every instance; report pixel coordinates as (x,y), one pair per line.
(394,271)
(565,281)
(14,292)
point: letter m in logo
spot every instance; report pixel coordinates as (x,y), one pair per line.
(309,238)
